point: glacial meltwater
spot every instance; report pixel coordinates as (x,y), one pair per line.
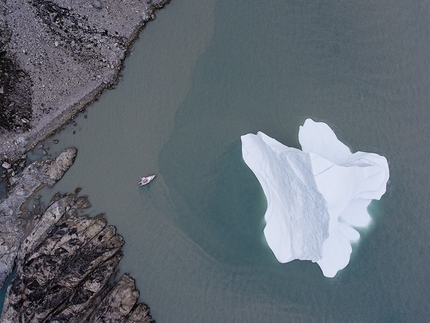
(206,72)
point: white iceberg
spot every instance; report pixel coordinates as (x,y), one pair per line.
(315,196)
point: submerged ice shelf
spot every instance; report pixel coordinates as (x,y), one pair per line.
(315,196)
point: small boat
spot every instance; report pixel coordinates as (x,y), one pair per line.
(146,180)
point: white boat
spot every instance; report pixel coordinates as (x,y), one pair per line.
(146,180)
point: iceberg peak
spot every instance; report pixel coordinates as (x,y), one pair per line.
(315,196)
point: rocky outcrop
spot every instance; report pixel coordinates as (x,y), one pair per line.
(56,56)
(12,207)
(64,266)
(63,260)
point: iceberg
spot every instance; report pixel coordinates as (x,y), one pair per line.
(317,196)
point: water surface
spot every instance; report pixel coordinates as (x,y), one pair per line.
(206,72)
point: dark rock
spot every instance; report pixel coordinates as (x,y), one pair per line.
(64,260)
(13,206)
(64,267)
(15,94)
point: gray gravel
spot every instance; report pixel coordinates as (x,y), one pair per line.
(56,57)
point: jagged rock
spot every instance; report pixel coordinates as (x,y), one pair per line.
(46,172)
(140,314)
(35,176)
(118,303)
(6,165)
(63,270)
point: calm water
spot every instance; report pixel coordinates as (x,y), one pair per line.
(206,72)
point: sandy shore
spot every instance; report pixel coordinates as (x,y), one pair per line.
(56,58)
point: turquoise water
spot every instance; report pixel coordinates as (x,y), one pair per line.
(206,72)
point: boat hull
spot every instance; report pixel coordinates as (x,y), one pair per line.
(146,180)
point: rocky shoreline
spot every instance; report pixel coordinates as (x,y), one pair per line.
(63,271)
(15,221)
(63,259)
(56,57)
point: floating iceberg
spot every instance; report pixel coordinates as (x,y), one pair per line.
(315,196)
